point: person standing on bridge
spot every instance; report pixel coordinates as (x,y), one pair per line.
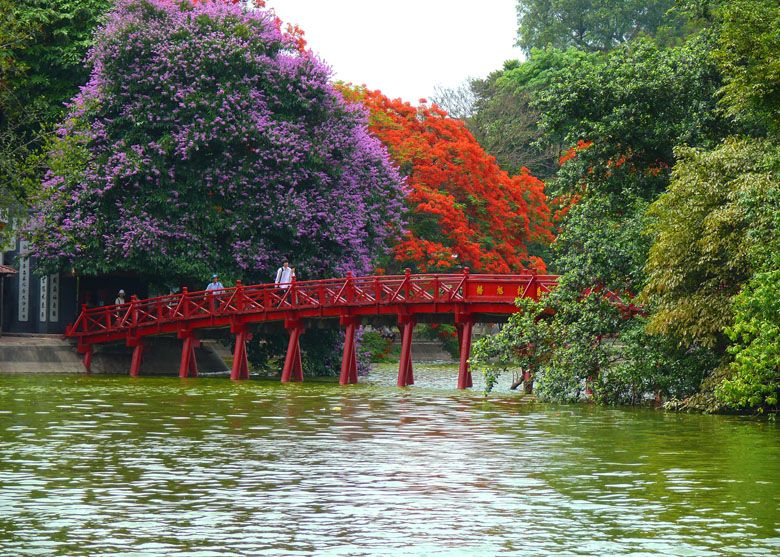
(284,275)
(120,299)
(215,286)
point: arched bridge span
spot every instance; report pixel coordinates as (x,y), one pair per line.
(466,298)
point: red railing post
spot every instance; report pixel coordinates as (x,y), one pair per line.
(210,299)
(266,298)
(465,283)
(133,310)
(348,288)
(185,309)
(377,290)
(239,297)
(293,292)
(83,315)
(407,282)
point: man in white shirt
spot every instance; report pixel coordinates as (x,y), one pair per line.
(284,276)
(215,285)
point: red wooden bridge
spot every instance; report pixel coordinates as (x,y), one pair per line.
(464,298)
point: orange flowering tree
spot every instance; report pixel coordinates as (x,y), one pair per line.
(464,210)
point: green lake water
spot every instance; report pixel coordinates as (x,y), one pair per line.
(110,466)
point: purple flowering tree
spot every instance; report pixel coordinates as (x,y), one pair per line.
(206,140)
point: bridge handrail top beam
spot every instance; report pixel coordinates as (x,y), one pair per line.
(325,282)
(334,292)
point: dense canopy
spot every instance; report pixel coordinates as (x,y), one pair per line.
(464,210)
(205,138)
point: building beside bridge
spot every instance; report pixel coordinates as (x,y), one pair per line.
(35,303)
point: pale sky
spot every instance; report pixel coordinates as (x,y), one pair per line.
(406,47)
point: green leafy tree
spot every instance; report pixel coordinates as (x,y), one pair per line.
(624,111)
(755,379)
(573,343)
(713,228)
(504,120)
(593,25)
(42,48)
(635,105)
(749,40)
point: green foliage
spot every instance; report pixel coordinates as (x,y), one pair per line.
(713,227)
(747,52)
(651,365)
(593,25)
(42,47)
(562,340)
(755,379)
(446,334)
(504,121)
(635,107)
(649,118)
(569,342)
(47,59)
(601,243)
(379,348)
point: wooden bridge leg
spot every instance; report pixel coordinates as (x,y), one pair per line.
(193,368)
(297,371)
(409,369)
(135,363)
(188,366)
(405,373)
(353,371)
(464,341)
(88,359)
(240,369)
(349,357)
(293,370)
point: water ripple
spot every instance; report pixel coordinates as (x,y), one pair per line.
(159,467)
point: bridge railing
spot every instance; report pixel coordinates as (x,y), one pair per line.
(339,292)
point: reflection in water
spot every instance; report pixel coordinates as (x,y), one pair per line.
(162,466)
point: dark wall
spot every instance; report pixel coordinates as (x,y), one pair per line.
(64,290)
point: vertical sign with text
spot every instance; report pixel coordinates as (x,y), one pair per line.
(44,295)
(54,298)
(24,282)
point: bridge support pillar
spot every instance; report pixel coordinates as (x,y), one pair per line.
(293,370)
(240,369)
(349,371)
(464,325)
(188,366)
(87,351)
(138,352)
(405,373)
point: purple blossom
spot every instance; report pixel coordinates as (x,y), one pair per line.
(205,140)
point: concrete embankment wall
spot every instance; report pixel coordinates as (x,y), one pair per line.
(39,353)
(54,354)
(428,351)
